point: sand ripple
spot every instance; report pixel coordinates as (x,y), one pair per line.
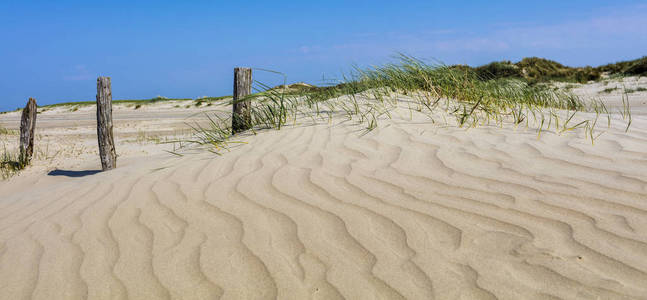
(407,211)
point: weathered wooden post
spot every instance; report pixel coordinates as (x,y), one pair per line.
(104,124)
(27,127)
(242,118)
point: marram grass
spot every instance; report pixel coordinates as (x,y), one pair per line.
(464,95)
(9,163)
(9,160)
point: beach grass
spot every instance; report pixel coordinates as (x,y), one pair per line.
(9,160)
(638,89)
(462,93)
(9,163)
(4,131)
(609,90)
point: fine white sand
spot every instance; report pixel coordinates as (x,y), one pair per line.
(410,210)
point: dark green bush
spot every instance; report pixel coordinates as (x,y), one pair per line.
(496,70)
(638,67)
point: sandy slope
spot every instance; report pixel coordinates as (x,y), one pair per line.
(410,210)
(66,136)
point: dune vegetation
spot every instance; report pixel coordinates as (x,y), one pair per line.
(498,94)
(531,70)
(135,103)
(536,70)
(467,96)
(9,164)
(4,131)
(127,101)
(8,159)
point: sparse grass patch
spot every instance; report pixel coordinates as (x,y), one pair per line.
(609,90)
(4,130)
(211,99)
(134,102)
(9,163)
(208,101)
(569,87)
(215,135)
(626,109)
(143,137)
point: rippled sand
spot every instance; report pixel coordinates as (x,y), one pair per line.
(411,210)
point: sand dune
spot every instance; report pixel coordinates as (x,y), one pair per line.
(411,210)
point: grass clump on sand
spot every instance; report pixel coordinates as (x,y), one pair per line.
(460,92)
(4,131)
(428,84)
(9,161)
(208,101)
(9,164)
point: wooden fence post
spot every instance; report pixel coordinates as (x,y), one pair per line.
(104,124)
(27,127)
(241,118)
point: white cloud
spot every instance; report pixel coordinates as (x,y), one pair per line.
(618,32)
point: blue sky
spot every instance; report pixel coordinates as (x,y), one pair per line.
(54,50)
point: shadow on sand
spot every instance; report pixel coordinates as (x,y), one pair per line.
(69,173)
